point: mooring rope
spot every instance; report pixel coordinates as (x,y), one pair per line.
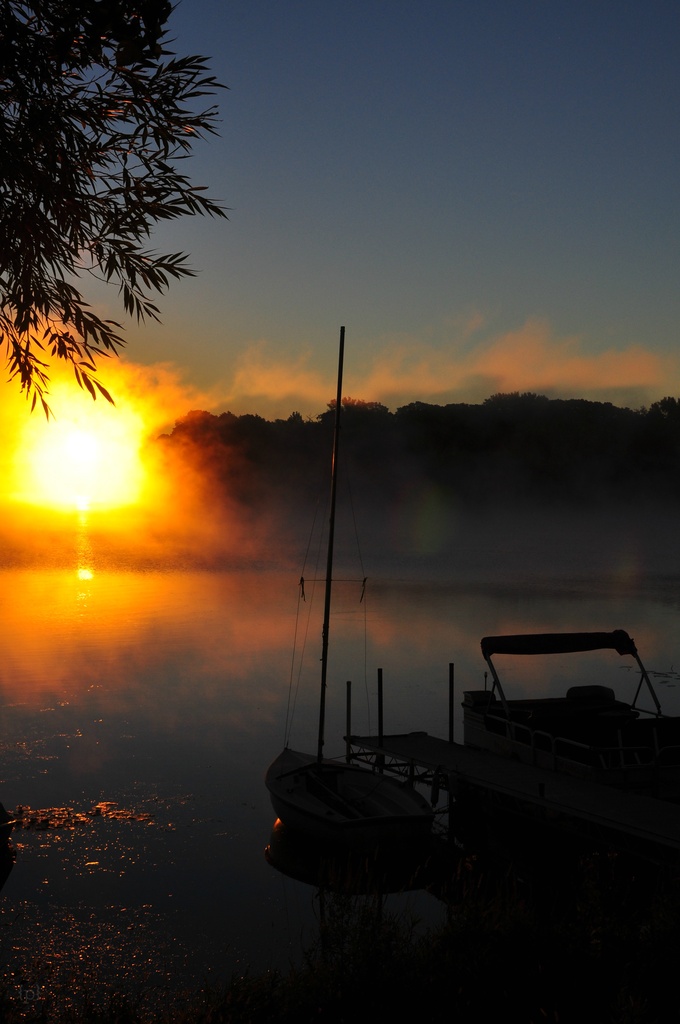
(298,652)
(294,684)
(362,599)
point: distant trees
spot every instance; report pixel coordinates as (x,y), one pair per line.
(94,115)
(666,408)
(510,449)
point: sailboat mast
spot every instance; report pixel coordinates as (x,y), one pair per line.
(329,562)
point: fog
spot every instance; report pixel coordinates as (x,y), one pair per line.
(519,483)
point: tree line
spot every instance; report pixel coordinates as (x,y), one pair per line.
(510,448)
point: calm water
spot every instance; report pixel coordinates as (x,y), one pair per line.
(140,707)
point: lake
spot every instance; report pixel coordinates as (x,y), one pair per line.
(142,699)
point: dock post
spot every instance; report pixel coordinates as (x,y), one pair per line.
(348,723)
(450,805)
(450,702)
(380,759)
(380,707)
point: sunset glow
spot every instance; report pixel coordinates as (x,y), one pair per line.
(88,457)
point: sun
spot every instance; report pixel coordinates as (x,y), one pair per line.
(88,457)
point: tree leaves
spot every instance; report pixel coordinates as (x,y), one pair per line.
(94,115)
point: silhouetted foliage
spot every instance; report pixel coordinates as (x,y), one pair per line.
(95,112)
(666,408)
(511,449)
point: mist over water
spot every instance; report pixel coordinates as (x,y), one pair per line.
(144,685)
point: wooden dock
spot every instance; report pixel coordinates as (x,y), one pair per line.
(638,824)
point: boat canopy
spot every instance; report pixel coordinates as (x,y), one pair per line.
(559,643)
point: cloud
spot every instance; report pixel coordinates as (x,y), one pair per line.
(464,365)
(266,384)
(528,359)
(457,361)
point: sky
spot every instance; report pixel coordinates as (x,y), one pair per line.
(484,192)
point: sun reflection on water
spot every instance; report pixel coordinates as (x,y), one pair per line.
(84,552)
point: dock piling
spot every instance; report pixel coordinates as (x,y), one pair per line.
(451,702)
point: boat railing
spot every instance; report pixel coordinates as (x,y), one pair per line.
(561,747)
(614,757)
(669,756)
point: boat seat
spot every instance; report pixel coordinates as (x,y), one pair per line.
(479,698)
(593,692)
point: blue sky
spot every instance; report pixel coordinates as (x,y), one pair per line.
(484,192)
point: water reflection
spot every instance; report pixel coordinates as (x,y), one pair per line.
(395,867)
(163,690)
(84,553)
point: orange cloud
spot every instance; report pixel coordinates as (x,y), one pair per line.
(263,382)
(465,365)
(528,359)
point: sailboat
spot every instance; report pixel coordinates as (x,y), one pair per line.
(334,800)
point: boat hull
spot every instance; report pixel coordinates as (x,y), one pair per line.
(345,803)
